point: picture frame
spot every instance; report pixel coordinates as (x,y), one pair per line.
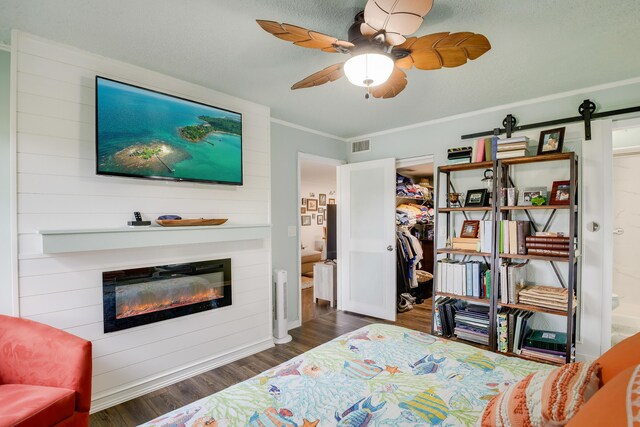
(332,201)
(322,199)
(550,141)
(527,193)
(312,205)
(470,229)
(321,210)
(304,202)
(313,216)
(560,193)
(303,210)
(306,220)
(478,197)
(320,219)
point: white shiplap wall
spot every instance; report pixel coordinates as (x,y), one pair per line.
(57,189)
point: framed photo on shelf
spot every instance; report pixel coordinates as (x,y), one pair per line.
(560,194)
(477,197)
(306,220)
(312,204)
(526,195)
(320,219)
(332,201)
(322,199)
(551,141)
(470,229)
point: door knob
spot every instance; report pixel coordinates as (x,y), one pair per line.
(618,231)
(390,248)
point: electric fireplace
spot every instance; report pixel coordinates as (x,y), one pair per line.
(140,296)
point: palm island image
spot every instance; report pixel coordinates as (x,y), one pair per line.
(143,133)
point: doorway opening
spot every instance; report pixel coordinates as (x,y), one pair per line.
(318,197)
(625,301)
(414,241)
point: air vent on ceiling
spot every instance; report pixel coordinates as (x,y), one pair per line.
(361,146)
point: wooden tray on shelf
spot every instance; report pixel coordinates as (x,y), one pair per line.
(190,222)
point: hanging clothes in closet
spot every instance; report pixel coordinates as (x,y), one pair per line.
(409,255)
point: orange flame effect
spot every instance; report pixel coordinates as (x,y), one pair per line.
(125,311)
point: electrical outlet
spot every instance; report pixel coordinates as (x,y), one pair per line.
(292,231)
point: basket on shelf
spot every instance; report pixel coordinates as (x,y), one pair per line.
(423,276)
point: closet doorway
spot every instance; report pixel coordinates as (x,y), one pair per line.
(414,240)
(318,204)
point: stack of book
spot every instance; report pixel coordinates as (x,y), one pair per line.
(513,278)
(512,147)
(548,245)
(545,297)
(513,237)
(472,323)
(445,309)
(513,327)
(470,278)
(546,345)
(459,155)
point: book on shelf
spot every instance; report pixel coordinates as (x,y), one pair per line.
(469,278)
(513,326)
(459,161)
(502,141)
(556,246)
(545,355)
(446,308)
(547,340)
(480,152)
(513,237)
(549,234)
(545,297)
(549,252)
(472,323)
(486,233)
(466,243)
(512,146)
(513,277)
(511,154)
(488,149)
(547,239)
(454,153)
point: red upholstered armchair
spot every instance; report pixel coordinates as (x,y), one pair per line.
(45,375)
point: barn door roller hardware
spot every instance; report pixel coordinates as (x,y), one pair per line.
(587,111)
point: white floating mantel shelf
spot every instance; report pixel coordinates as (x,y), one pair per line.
(60,241)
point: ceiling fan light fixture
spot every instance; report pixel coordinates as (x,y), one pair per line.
(368,69)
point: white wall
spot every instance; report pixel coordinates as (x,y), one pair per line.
(6,287)
(436,136)
(57,189)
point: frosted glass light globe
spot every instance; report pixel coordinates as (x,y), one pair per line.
(368,69)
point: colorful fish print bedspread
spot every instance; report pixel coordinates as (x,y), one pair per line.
(379,375)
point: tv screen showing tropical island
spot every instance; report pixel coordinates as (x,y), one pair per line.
(147,134)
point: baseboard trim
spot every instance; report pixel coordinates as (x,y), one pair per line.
(111,398)
(294,324)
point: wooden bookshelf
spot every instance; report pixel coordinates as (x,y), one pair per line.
(533,359)
(470,209)
(462,252)
(462,340)
(536,308)
(464,297)
(466,167)
(537,257)
(536,159)
(533,208)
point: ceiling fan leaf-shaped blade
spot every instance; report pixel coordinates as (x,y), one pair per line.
(408,43)
(392,87)
(329,74)
(435,51)
(303,37)
(395,16)
(405,63)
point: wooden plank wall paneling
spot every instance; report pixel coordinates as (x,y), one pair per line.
(58,189)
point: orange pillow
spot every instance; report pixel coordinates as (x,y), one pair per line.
(614,403)
(544,398)
(619,357)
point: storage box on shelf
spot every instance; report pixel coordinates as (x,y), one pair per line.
(510,319)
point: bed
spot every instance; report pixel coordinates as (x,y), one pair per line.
(380,375)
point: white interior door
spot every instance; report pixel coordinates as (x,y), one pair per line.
(366,232)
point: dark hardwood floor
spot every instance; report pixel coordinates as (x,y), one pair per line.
(310,310)
(312,333)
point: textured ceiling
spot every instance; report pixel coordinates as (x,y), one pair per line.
(539,47)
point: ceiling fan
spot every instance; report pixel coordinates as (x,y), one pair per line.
(379,49)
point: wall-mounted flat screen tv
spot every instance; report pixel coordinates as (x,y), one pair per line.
(142,133)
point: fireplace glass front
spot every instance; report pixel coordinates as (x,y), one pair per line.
(140,296)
